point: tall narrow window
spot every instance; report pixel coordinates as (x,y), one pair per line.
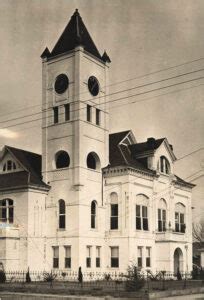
(98,113)
(62,214)
(114,216)
(164,165)
(55,257)
(114,257)
(139,257)
(144,218)
(113,211)
(148,257)
(67,111)
(98,257)
(88,113)
(180,225)
(88,256)
(67,263)
(93,214)
(56,113)
(141,217)
(138,218)
(6,211)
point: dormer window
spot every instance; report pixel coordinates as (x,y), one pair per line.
(164,165)
(9,166)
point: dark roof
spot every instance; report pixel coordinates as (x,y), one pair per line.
(126,155)
(31,176)
(120,155)
(150,144)
(74,34)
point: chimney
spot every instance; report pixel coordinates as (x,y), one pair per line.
(172,149)
(151,142)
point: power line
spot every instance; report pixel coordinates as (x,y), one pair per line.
(133,102)
(110,101)
(114,93)
(119,82)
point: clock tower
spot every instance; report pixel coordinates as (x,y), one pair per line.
(75,142)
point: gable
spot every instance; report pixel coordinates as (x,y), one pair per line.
(10,164)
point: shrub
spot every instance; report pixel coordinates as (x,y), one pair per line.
(49,277)
(28,279)
(135,280)
(2,276)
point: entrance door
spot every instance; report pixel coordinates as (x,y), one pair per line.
(178,260)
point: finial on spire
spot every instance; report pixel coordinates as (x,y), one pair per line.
(105,57)
(46,53)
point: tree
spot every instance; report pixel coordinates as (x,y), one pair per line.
(198,232)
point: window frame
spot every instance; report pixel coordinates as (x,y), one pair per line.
(88,113)
(56,114)
(67,112)
(114,259)
(55,263)
(142,220)
(68,258)
(88,256)
(114,216)
(98,117)
(93,214)
(61,215)
(7,211)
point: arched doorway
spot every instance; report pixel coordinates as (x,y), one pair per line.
(178,260)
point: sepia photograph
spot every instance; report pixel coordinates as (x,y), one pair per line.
(101,149)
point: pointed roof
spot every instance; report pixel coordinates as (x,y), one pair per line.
(75,34)
(31,163)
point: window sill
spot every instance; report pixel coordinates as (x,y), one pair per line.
(61,229)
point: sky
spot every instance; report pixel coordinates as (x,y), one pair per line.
(141,37)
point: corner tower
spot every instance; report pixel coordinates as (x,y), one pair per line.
(75,129)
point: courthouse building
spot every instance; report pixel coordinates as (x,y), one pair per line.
(93,199)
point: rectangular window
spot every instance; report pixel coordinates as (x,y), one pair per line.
(161,220)
(114,216)
(148,257)
(138,218)
(88,113)
(141,217)
(98,113)
(180,225)
(67,263)
(9,165)
(67,112)
(56,113)
(114,257)
(144,218)
(139,257)
(98,257)
(55,257)
(88,256)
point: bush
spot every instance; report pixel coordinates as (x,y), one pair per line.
(135,281)
(49,277)
(2,276)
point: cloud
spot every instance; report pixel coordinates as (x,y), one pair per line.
(7,133)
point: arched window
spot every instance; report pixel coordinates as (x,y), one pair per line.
(6,211)
(93,214)
(62,159)
(9,165)
(113,211)
(164,165)
(180,225)
(162,215)
(142,212)
(93,161)
(62,214)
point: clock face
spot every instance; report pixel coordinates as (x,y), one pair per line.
(93,86)
(61,83)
